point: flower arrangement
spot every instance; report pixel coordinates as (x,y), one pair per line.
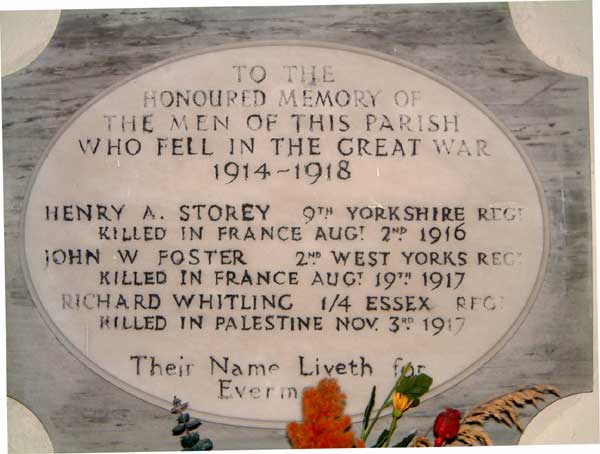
(324,424)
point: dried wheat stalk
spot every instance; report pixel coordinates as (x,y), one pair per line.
(502,409)
(421,442)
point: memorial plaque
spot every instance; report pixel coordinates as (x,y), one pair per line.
(290,215)
(232,220)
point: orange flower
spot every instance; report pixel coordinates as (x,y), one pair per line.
(401,403)
(324,425)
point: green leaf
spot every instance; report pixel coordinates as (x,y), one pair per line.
(203,445)
(406,440)
(381,440)
(189,440)
(193,424)
(422,384)
(369,409)
(178,429)
(415,385)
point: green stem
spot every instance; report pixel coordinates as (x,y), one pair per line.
(365,434)
(392,430)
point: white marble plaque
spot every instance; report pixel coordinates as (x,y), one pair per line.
(233,225)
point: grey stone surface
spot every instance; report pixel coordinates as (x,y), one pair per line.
(473,46)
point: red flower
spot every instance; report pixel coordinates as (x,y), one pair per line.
(446,426)
(324,424)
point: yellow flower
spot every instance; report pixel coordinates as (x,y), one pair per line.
(401,403)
